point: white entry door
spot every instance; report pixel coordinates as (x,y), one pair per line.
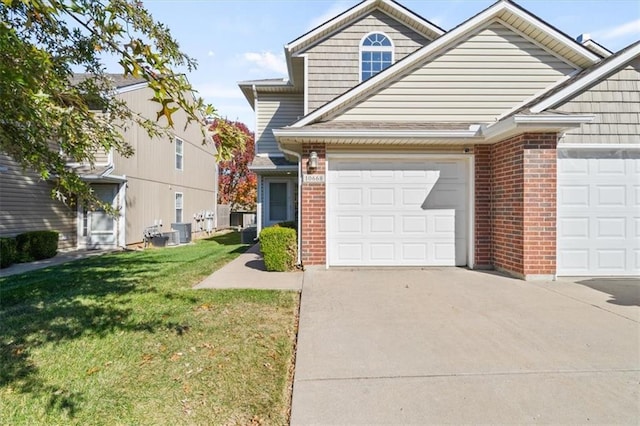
(99,229)
(397,213)
(598,212)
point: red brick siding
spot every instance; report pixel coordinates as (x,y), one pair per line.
(516,204)
(313,226)
(482,220)
(539,226)
(506,207)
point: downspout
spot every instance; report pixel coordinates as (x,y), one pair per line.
(299,157)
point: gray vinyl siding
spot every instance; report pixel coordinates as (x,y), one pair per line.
(152,177)
(476,81)
(26,205)
(615,102)
(334,63)
(275,110)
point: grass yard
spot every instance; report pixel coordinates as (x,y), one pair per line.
(123,339)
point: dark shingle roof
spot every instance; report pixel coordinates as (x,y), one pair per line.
(119,80)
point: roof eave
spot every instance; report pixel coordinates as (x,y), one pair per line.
(519,124)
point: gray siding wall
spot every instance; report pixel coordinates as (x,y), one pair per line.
(152,177)
(476,81)
(275,110)
(616,104)
(334,63)
(26,205)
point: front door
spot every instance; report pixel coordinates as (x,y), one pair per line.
(99,228)
(278,205)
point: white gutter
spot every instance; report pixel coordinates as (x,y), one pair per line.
(554,119)
(534,121)
(383,133)
(299,230)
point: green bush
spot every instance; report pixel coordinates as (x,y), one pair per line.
(279,247)
(8,252)
(37,245)
(290,224)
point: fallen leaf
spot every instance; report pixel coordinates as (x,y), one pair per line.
(92,370)
(176,356)
(146,358)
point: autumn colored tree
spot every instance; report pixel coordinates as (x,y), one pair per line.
(237,185)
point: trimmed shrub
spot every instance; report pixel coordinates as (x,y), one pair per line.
(8,252)
(37,245)
(290,224)
(279,247)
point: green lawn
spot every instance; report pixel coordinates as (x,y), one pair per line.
(123,339)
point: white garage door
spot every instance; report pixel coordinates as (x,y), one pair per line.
(397,213)
(598,212)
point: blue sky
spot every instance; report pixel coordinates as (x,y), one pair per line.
(235,40)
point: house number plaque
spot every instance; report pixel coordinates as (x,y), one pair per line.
(313,178)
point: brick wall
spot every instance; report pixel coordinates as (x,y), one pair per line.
(539,204)
(313,226)
(516,205)
(507,185)
(482,220)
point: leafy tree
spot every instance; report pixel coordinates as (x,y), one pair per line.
(237,184)
(47,119)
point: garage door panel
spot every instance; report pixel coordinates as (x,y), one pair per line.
(573,227)
(381,224)
(350,251)
(406,213)
(349,224)
(611,227)
(613,261)
(572,195)
(414,252)
(382,252)
(349,196)
(382,196)
(598,213)
(611,195)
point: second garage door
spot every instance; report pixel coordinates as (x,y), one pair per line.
(598,212)
(397,213)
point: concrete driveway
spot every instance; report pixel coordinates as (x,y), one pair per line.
(456,346)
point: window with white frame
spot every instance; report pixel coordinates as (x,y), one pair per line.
(376,54)
(179,154)
(179,205)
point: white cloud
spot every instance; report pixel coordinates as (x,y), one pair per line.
(268,61)
(335,9)
(623,30)
(211,53)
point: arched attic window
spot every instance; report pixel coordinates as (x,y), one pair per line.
(376,54)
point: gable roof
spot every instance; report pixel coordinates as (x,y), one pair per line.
(120,81)
(506,11)
(390,7)
(582,81)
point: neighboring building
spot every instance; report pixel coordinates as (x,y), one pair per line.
(501,144)
(164,182)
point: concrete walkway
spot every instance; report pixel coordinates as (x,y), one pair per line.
(449,345)
(248,271)
(58,259)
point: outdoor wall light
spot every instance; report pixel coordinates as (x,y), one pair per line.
(313,160)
